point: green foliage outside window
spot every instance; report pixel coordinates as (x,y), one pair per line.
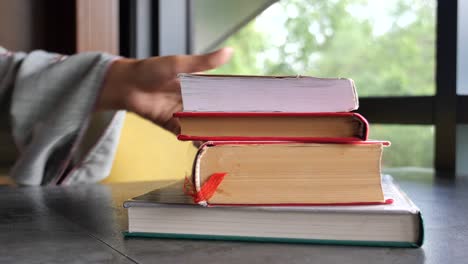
(387,47)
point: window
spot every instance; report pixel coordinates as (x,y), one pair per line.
(462,77)
(403,55)
(388,48)
(412,145)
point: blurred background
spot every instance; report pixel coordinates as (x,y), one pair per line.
(406,56)
(388,48)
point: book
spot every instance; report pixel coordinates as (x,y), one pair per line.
(234,93)
(314,127)
(275,172)
(168,213)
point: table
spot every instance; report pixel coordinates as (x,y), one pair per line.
(83,223)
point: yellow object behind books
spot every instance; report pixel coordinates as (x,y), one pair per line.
(147,152)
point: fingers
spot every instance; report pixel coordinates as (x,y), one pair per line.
(172,86)
(157,94)
(172,124)
(199,63)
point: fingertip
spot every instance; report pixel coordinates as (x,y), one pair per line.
(203,62)
(221,56)
(228,50)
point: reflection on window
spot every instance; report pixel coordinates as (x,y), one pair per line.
(412,145)
(387,47)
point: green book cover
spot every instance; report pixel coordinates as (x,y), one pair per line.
(398,244)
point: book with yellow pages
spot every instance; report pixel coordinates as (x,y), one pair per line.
(288,173)
(169,213)
(301,127)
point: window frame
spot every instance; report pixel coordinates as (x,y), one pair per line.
(445,110)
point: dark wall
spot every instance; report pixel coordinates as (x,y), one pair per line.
(27,25)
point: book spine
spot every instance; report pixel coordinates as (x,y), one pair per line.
(365,125)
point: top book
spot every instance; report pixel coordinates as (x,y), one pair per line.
(293,94)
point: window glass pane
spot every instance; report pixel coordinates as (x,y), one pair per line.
(412,145)
(387,47)
(462,52)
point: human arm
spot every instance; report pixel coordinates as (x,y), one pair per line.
(150,87)
(50,99)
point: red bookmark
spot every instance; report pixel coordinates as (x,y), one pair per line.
(207,190)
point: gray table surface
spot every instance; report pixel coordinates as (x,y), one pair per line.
(84,223)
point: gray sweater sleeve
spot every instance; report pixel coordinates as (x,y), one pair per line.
(50,100)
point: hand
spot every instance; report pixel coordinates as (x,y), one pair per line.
(150,87)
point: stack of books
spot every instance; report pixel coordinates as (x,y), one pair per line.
(284,159)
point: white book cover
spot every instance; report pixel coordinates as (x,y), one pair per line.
(230,93)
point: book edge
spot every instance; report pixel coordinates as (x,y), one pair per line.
(398,244)
(193,75)
(351,82)
(421,238)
